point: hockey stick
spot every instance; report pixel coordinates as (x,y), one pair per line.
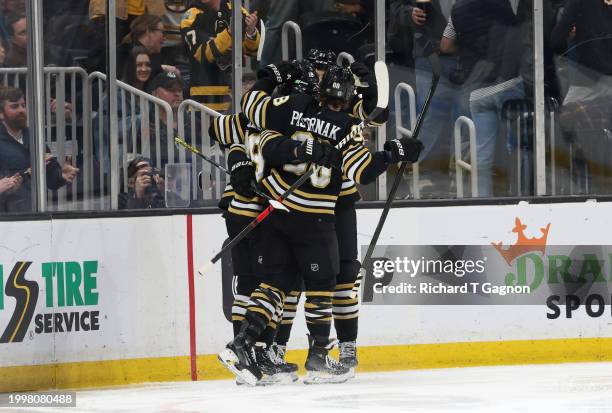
(382,81)
(435,77)
(274,203)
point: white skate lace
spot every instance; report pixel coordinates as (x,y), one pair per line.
(333,363)
(347,349)
(272,353)
(280,352)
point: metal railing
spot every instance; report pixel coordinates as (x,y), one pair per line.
(460,164)
(518,116)
(291,25)
(140,131)
(66,127)
(213,179)
(403,131)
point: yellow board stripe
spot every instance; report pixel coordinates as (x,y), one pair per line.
(371,359)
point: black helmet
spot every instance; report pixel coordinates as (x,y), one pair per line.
(320,59)
(306,83)
(338,83)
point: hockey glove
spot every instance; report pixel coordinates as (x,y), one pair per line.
(403,150)
(242,178)
(284,72)
(318,153)
(362,73)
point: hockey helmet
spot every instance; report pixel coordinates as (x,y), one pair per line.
(306,83)
(320,59)
(338,83)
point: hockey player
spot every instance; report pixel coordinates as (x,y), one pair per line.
(304,239)
(240,204)
(345,308)
(321,60)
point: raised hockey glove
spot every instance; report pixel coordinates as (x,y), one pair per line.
(284,72)
(242,178)
(364,78)
(318,153)
(403,150)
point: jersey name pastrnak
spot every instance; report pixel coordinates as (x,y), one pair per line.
(315,125)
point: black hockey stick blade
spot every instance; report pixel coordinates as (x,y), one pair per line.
(435,77)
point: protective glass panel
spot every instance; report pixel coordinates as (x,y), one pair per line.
(177,185)
(478,130)
(578,73)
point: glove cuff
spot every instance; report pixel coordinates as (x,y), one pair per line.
(271,72)
(241,164)
(388,156)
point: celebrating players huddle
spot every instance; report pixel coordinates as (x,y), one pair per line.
(293,121)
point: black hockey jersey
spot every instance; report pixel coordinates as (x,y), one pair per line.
(287,121)
(231,131)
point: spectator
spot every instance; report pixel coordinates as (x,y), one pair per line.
(146,31)
(206,30)
(589,25)
(3,49)
(13,6)
(173,48)
(8,185)
(126,11)
(280,12)
(448,103)
(136,73)
(15,141)
(492,49)
(400,40)
(137,69)
(168,87)
(583,38)
(18,31)
(145,186)
(9,7)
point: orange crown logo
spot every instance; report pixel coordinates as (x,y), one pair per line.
(523,244)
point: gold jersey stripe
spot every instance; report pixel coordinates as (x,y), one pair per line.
(318,197)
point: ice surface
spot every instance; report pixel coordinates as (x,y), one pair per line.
(579,387)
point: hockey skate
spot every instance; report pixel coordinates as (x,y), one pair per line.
(348,355)
(321,368)
(288,372)
(239,358)
(267,365)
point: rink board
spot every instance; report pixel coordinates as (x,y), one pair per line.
(107,301)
